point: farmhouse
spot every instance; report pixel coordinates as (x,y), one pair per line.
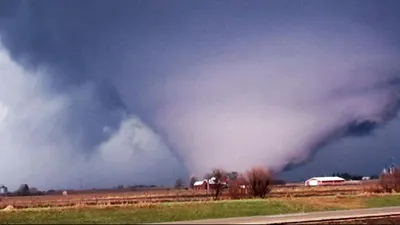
(207,184)
(317,181)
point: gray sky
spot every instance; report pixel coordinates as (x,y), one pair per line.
(114,92)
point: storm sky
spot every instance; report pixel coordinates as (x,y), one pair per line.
(134,91)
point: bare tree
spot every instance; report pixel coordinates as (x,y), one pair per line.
(259,180)
(217,176)
(178,183)
(23,190)
(233,175)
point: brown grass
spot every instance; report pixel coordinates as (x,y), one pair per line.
(172,195)
(373,188)
(296,203)
(330,202)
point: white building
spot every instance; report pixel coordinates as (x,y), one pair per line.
(3,189)
(207,183)
(317,181)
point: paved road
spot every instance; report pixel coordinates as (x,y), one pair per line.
(299,217)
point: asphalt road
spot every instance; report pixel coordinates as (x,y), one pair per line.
(300,217)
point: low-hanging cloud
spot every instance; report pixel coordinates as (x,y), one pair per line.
(144,97)
(42,141)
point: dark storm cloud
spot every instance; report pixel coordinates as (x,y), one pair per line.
(215,80)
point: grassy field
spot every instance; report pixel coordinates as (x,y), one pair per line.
(163,212)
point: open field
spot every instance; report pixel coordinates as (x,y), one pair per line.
(164,212)
(166,195)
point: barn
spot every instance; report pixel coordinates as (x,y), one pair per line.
(207,183)
(201,184)
(317,181)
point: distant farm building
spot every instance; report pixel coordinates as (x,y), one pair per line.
(3,189)
(201,184)
(317,181)
(207,184)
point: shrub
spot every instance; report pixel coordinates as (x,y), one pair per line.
(237,188)
(390,181)
(258,180)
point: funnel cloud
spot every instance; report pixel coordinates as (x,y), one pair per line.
(145,92)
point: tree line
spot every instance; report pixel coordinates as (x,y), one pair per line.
(348,176)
